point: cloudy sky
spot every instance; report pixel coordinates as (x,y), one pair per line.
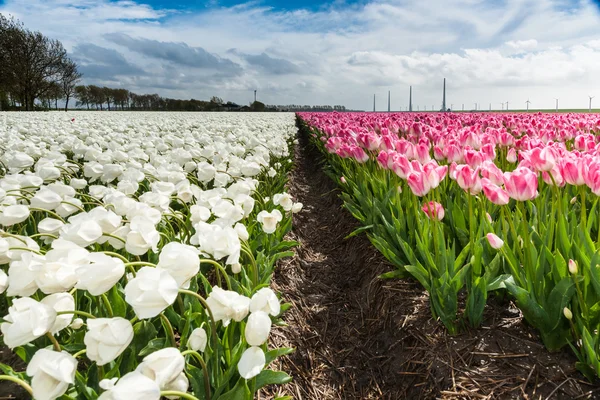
(337,52)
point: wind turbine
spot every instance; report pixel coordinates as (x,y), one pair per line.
(507,106)
(591,97)
(556,103)
(528,104)
(502,106)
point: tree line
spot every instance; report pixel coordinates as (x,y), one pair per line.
(92,97)
(33,67)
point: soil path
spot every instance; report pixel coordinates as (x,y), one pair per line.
(358,337)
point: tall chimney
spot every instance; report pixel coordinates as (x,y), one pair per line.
(410,100)
(373,103)
(444,99)
(389,95)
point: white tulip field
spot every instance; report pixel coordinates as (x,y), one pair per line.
(137,250)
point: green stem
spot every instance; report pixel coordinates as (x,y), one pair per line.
(247,251)
(18,381)
(200,360)
(55,343)
(113,254)
(80,352)
(169,328)
(114,237)
(583,207)
(26,249)
(220,269)
(107,305)
(139,263)
(176,393)
(55,215)
(213,326)
(76,312)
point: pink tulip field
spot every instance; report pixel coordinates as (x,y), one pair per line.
(474,205)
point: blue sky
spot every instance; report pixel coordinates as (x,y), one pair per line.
(339,52)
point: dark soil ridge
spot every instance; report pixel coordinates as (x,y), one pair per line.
(359,337)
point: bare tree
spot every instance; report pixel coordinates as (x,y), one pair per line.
(69,76)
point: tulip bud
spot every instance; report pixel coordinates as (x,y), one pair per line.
(197,340)
(489,217)
(574,200)
(297,207)
(568,314)
(399,189)
(76,324)
(343,180)
(494,241)
(573,267)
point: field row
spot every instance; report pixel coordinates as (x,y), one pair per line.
(476,205)
(137,252)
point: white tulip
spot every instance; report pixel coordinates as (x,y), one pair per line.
(64,210)
(45,199)
(22,275)
(241,231)
(78,183)
(179,384)
(265,300)
(206,172)
(107,338)
(52,373)
(151,291)
(197,340)
(284,200)
(100,275)
(199,213)
(3,281)
(258,328)
(142,236)
(81,230)
(26,321)
(12,215)
(269,220)
(218,241)
(57,273)
(181,261)
(60,302)
(226,305)
(297,207)
(133,386)
(252,362)
(50,226)
(162,366)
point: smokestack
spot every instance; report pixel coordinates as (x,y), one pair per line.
(389,95)
(410,100)
(373,103)
(255,96)
(444,99)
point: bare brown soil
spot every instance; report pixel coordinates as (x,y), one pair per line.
(359,337)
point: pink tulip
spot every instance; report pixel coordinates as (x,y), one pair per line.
(521,184)
(542,159)
(418,183)
(401,166)
(573,170)
(342,179)
(468,179)
(434,210)
(434,173)
(359,154)
(494,193)
(511,156)
(494,241)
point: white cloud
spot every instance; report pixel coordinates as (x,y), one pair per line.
(489,51)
